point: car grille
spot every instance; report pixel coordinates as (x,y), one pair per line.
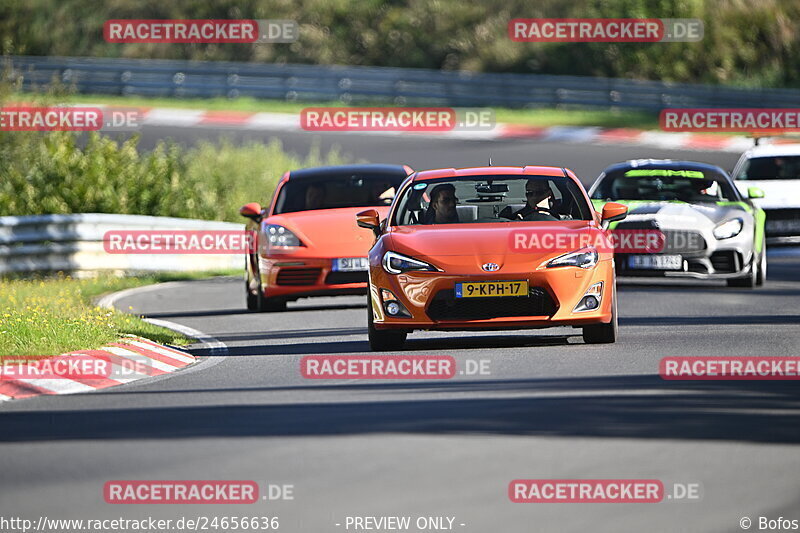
(675,241)
(298,276)
(445,306)
(680,241)
(339,278)
(783,222)
(726,262)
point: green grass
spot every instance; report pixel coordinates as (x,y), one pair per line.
(538,117)
(50,316)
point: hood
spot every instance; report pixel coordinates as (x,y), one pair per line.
(330,232)
(476,244)
(681,215)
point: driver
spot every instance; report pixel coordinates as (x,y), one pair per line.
(442,209)
(315,196)
(536,191)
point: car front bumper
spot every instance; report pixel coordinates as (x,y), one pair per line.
(291,278)
(429,299)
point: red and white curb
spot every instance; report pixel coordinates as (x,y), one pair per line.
(163,360)
(567,134)
(146,359)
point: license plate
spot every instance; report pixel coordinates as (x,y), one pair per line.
(350,264)
(656,262)
(494,289)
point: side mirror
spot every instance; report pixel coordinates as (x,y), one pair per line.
(613,212)
(251,211)
(755,192)
(369,219)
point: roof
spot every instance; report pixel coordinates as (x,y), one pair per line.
(766,150)
(469,172)
(672,164)
(400,171)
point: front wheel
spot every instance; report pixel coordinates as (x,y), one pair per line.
(257,302)
(269,305)
(604,333)
(750,280)
(382,341)
(252,298)
(761,277)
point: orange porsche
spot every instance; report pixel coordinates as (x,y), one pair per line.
(491,248)
(307,243)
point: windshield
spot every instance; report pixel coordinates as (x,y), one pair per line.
(770,168)
(481,199)
(665,184)
(337,190)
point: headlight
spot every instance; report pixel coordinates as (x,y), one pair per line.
(729,229)
(278,236)
(395,263)
(585,258)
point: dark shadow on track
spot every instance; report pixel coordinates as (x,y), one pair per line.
(291,334)
(334,307)
(208,312)
(727,320)
(642,407)
(362,347)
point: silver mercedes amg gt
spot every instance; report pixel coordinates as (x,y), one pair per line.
(710,230)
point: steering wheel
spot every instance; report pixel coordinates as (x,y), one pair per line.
(542,210)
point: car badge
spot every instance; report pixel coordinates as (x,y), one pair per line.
(490,267)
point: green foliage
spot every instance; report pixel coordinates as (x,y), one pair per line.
(746,43)
(58,174)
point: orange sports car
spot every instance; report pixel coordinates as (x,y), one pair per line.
(307,243)
(491,248)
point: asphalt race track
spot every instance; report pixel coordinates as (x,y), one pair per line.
(550,407)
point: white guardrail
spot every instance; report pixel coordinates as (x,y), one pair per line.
(74,244)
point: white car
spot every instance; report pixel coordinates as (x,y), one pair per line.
(775,169)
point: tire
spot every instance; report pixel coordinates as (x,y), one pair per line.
(269,305)
(382,341)
(604,333)
(748,281)
(257,302)
(761,276)
(252,299)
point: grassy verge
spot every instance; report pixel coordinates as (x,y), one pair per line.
(539,117)
(56,315)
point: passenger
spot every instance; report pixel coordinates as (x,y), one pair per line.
(442,209)
(315,196)
(536,191)
(382,193)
